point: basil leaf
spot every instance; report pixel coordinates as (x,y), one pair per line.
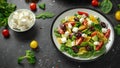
(45,15)
(42,6)
(106,6)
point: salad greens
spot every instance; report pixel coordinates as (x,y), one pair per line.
(82,36)
(29,56)
(45,15)
(42,6)
(106,6)
(5,10)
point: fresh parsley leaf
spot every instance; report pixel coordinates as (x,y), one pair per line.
(117,29)
(45,15)
(42,6)
(29,56)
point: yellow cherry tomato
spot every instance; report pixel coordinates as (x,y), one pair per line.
(34,44)
(117,15)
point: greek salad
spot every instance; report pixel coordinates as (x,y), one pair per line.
(82,35)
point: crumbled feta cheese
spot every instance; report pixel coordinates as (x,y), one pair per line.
(72,43)
(64,40)
(66,18)
(84,16)
(96,17)
(81,20)
(84,35)
(104,30)
(69,26)
(75,29)
(96,43)
(67,33)
(89,23)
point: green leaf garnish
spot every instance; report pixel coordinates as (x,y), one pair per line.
(42,6)
(45,15)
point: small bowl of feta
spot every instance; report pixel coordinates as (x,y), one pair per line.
(21,20)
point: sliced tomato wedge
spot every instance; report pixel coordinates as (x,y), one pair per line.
(94,33)
(79,41)
(70,22)
(81,13)
(99,46)
(85,22)
(107,34)
(60,30)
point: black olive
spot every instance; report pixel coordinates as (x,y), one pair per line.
(78,34)
(103,25)
(75,49)
(63,27)
(92,28)
(88,48)
(76,19)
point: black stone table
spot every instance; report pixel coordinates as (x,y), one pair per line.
(47,55)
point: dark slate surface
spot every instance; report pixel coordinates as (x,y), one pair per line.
(47,55)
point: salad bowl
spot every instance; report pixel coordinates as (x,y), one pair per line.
(70,39)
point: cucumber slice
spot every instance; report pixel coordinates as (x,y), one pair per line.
(95,38)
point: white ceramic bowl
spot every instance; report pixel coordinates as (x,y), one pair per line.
(21,20)
(89,11)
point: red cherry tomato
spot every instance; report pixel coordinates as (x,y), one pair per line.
(95,3)
(33,6)
(5,33)
(107,34)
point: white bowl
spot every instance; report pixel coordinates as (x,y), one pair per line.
(21,20)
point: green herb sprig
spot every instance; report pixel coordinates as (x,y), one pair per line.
(5,10)
(45,15)
(29,56)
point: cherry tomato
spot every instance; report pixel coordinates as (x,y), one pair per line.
(34,44)
(99,46)
(117,15)
(79,41)
(5,33)
(81,13)
(95,3)
(33,6)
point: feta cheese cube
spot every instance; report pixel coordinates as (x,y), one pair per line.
(84,35)
(96,17)
(104,30)
(83,16)
(81,20)
(69,26)
(67,33)
(89,23)
(64,40)
(96,43)
(75,29)
(72,43)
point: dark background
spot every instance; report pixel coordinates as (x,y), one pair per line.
(47,55)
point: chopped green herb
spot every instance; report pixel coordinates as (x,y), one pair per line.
(42,6)
(5,10)
(106,6)
(45,15)
(29,56)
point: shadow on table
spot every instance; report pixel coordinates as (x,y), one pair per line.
(26,36)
